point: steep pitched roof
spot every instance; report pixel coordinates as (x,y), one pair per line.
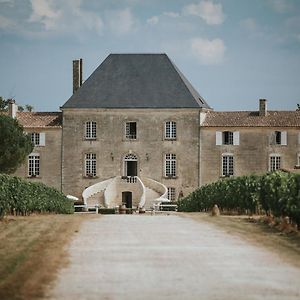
(136,81)
(40,119)
(252,119)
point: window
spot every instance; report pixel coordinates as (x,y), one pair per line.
(278,138)
(90,130)
(90,164)
(227,165)
(38,138)
(170,130)
(170,165)
(130,130)
(298,160)
(33,165)
(171,193)
(227,138)
(275,162)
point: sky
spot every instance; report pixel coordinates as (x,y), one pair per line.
(234,52)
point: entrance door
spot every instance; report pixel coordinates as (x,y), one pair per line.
(131,168)
(127,199)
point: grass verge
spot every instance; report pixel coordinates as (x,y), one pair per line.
(286,246)
(32,249)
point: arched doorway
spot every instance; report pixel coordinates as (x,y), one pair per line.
(130,165)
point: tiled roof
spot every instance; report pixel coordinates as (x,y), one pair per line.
(252,119)
(136,81)
(40,119)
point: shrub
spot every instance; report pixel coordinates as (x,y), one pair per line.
(22,198)
(276,193)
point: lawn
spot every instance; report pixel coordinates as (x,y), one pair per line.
(32,249)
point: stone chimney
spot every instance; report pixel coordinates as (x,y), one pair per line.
(77,74)
(12,108)
(263,107)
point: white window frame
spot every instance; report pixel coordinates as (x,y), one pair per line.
(38,138)
(228,160)
(90,165)
(34,164)
(128,134)
(275,162)
(170,165)
(172,193)
(90,132)
(298,160)
(170,130)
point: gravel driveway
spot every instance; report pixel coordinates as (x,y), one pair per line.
(169,257)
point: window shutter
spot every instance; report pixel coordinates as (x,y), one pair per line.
(283,138)
(42,139)
(218,138)
(272,138)
(236,138)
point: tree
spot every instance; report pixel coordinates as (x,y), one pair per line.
(3,104)
(15,145)
(29,107)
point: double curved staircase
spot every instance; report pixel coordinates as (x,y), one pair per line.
(147,193)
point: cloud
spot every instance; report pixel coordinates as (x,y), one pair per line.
(121,21)
(43,11)
(153,20)
(64,17)
(208,52)
(211,13)
(280,6)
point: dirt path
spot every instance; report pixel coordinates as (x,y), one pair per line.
(169,257)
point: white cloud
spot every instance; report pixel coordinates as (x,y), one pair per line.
(208,52)
(249,24)
(211,13)
(64,17)
(122,21)
(153,20)
(43,11)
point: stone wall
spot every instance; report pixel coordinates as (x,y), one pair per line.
(50,158)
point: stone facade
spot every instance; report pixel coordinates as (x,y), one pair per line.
(251,155)
(111,146)
(50,158)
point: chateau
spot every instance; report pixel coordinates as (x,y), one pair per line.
(136,132)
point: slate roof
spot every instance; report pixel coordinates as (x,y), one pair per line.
(136,81)
(40,119)
(252,119)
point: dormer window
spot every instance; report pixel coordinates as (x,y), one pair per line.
(90,130)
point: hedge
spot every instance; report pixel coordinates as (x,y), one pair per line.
(18,196)
(276,193)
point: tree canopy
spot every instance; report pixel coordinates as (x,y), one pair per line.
(15,145)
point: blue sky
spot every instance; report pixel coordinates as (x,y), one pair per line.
(232,51)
